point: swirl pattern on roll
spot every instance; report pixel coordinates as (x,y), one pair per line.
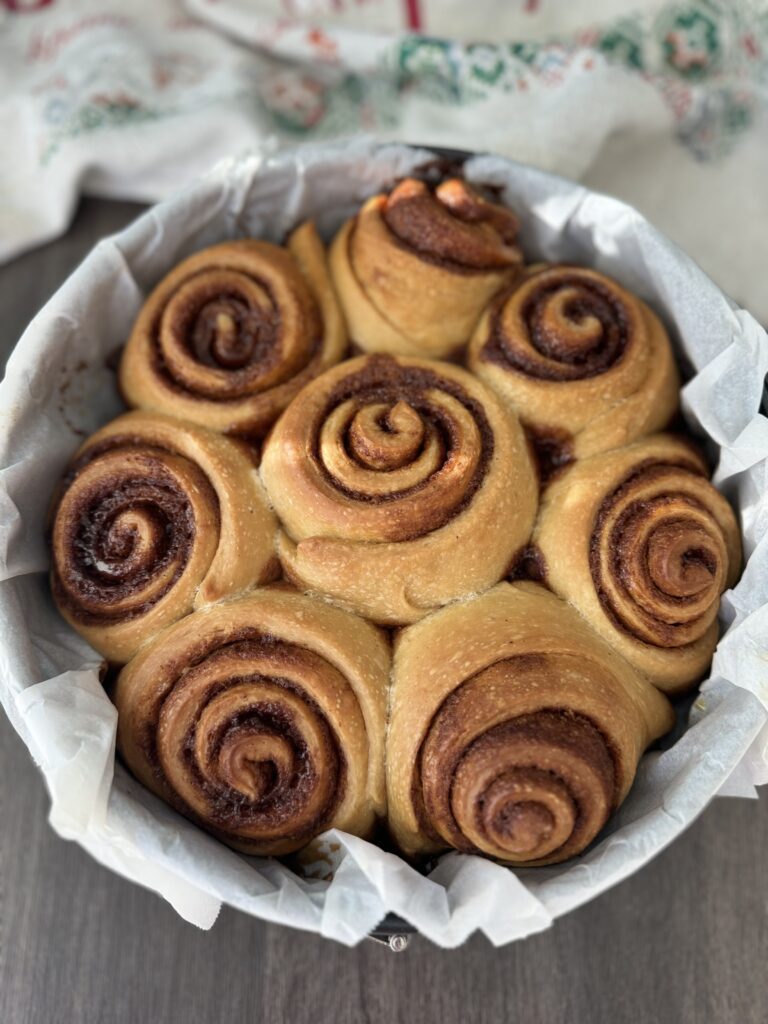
(155,517)
(577,355)
(643,545)
(233,333)
(415,268)
(261,719)
(515,732)
(382,469)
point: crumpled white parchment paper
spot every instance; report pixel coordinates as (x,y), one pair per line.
(59,387)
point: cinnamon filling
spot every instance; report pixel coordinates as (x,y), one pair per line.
(532,788)
(241,747)
(657,556)
(452,226)
(223,337)
(552,451)
(558,326)
(123,528)
(394,419)
(528,564)
(225,331)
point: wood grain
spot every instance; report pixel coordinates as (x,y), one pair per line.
(685,940)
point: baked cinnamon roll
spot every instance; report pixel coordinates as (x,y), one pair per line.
(234,332)
(400,485)
(515,731)
(580,359)
(415,267)
(155,517)
(643,545)
(261,719)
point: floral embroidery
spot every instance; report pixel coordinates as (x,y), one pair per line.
(707,59)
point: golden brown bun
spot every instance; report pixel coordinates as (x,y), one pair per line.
(641,543)
(514,730)
(154,518)
(415,268)
(578,358)
(262,719)
(400,484)
(234,332)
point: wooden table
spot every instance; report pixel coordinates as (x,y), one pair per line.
(685,940)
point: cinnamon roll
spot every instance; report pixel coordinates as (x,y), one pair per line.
(643,545)
(415,268)
(580,360)
(400,484)
(261,719)
(155,517)
(234,332)
(514,731)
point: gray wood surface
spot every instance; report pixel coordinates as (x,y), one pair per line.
(685,940)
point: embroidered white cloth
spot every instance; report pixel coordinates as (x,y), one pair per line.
(662,104)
